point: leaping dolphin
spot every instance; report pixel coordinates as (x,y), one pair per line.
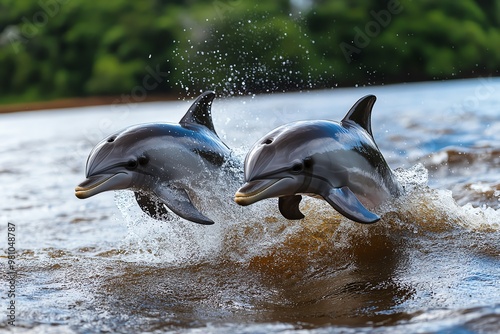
(339,161)
(160,162)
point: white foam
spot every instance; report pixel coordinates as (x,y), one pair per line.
(412,178)
(174,241)
(439,204)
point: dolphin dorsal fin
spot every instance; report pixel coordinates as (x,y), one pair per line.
(361,113)
(200,111)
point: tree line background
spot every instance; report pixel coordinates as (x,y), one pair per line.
(53,49)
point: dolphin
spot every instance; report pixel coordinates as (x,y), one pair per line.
(337,161)
(160,162)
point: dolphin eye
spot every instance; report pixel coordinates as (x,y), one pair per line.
(131,164)
(308,162)
(143,160)
(268,141)
(298,167)
(111,139)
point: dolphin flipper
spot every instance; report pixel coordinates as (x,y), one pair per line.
(177,200)
(289,207)
(154,208)
(344,201)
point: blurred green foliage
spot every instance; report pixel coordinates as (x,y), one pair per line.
(64,48)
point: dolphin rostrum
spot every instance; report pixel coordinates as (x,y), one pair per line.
(160,162)
(338,161)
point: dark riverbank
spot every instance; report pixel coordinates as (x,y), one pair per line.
(79,102)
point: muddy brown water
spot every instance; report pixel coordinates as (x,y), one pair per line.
(432,264)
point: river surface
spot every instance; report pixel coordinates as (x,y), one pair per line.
(430,265)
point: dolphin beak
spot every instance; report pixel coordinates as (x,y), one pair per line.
(257,190)
(96,184)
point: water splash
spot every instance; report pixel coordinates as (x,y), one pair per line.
(238,233)
(258,236)
(284,66)
(425,206)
